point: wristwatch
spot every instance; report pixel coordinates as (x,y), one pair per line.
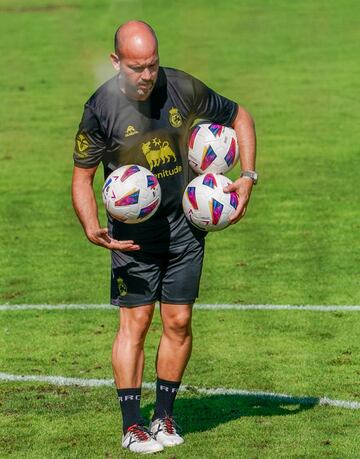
(251,174)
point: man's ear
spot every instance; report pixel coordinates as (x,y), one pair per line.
(115,61)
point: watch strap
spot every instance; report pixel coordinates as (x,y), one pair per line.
(251,175)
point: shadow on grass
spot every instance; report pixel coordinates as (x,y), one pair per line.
(199,414)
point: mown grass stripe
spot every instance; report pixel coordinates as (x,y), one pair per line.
(240,307)
(259,395)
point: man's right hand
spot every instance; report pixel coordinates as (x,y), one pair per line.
(86,209)
(101,237)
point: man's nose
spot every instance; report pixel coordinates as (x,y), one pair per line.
(146,75)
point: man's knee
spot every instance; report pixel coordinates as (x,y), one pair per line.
(178,324)
(134,323)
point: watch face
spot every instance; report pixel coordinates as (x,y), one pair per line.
(251,174)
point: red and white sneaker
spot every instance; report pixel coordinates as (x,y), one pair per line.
(164,432)
(138,439)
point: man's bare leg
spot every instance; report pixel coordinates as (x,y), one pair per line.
(128,366)
(128,347)
(176,341)
(173,355)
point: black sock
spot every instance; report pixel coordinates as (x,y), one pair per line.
(130,406)
(165,396)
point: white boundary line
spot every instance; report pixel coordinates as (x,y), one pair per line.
(240,307)
(269,396)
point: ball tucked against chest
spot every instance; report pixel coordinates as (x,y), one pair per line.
(212,148)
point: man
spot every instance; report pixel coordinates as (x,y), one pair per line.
(146,111)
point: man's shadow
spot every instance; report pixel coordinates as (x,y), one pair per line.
(203,413)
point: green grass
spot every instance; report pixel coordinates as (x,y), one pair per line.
(295,67)
(78,423)
(311,353)
(301,353)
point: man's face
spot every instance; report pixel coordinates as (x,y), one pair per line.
(137,74)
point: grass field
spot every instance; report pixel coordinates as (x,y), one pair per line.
(302,352)
(294,66)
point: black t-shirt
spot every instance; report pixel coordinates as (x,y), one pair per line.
(117,130)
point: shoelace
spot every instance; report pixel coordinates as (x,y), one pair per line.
(139,432)
(169,425)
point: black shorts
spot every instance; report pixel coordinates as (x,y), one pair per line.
(171,276)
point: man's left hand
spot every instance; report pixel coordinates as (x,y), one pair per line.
(242,187)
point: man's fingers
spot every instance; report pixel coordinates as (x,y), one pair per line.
(123,247)
(229,188)
(116,245)
(123,242)
(102,233)
(101,237)
(243,188)
(238,214)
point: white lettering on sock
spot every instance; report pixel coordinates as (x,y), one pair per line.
(169,389)
(126,398)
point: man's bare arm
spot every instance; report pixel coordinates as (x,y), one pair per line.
(246,137)
(85,206)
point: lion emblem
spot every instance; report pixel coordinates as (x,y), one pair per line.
(161,154)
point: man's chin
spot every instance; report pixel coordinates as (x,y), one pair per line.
(144,94)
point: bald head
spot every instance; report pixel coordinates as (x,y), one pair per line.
(136,59)
(136,37)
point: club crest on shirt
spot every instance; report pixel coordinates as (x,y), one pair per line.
(130,130)
(175,118)
(157,152)
(82,144)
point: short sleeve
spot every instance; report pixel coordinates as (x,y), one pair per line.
(212,106)
(90,143)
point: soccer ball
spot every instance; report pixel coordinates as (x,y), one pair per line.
(212,148)
(206,205)
(131,194)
